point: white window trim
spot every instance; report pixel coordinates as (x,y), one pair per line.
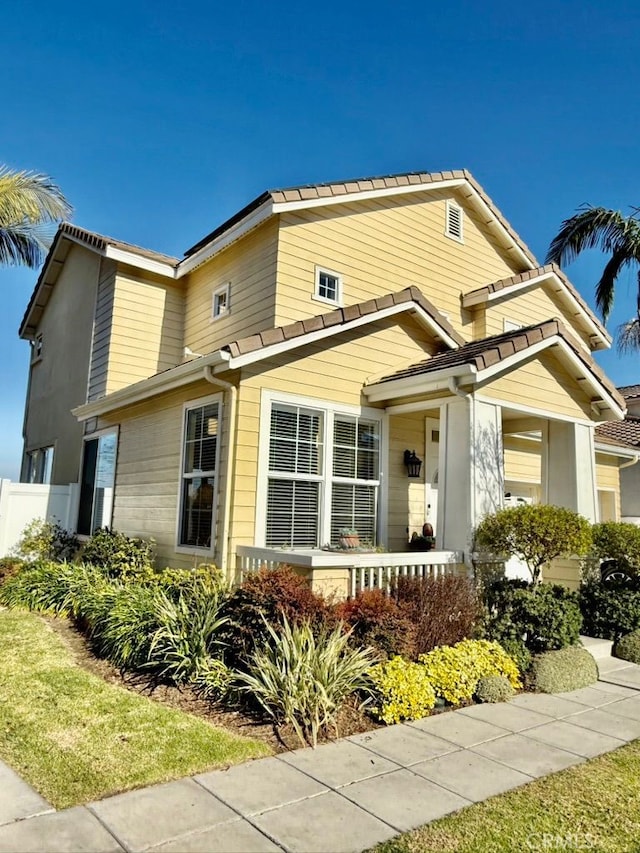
(337,302)
(192,549)
(226,289)
(39,449)
(112,430)
(329,408)
(449,206)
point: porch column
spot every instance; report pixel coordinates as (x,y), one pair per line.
(569,466)
(471,465)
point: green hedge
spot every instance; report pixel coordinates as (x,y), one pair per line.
(610,609)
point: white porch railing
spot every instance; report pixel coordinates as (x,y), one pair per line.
(366,571)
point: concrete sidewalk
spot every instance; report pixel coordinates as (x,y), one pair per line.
(347,795)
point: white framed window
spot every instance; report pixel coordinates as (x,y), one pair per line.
(510,325)
(321,469)
(328,286)
(221,303)
(199,474)
(97,482)
(454,224)
(40,465)
(37,348)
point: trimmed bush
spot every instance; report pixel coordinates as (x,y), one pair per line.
(535,533)
(302,679)
(618,541)
(562,670)
(443,610)
(628,647)
(47,540)
(118,555)
(402,690)
(263,599)
(454,671)
(611,609)
(494,688)
(376,620)
(541,617)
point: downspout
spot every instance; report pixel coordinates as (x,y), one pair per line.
(453,386)
(630,463)
(233,394)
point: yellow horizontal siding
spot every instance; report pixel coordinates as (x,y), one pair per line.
(406,497)
(384,245)
(542,383)
(148,470)
(99,367)
(522,460)
(608,477)
(534,305)
(147,330)
(250,267)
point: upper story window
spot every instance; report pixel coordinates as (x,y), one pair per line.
(328,286)
(454,226)
(36,347)
(40,465)
(221,302)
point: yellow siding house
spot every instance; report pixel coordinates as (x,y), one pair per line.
(372,355)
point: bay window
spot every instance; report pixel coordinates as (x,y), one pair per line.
(323,474)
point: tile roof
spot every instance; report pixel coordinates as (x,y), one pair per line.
(487,352)
(334,189)
(629,392)
(625,432)
(100,242)
(521,278)
(338,317)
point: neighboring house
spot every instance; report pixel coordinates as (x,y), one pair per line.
(261,392)
(626,434)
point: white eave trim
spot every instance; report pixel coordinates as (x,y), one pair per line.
(161,382)
(420,383)
(139,261)
(270,208)
(312,337)
(616,450)
(476,299)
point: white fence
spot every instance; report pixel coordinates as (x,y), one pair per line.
(21,503)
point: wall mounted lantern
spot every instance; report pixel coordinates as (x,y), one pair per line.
(413,463)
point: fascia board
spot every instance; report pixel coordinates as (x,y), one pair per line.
(170,379)
(418,384)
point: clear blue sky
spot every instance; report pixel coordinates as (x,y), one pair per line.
(161,119)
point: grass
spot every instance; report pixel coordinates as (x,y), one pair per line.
(76,738)
(594,806)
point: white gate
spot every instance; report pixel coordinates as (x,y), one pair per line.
(21,503)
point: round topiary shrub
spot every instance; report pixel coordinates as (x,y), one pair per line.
(562,670)
(494,688)
(628,647)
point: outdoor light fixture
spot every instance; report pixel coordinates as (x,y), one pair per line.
(413,463)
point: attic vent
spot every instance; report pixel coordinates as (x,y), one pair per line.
(455,221)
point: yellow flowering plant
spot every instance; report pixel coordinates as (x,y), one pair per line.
(402,689)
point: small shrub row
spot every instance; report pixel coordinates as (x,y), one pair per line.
(610,609)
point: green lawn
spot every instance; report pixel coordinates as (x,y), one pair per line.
(594,806)
(76,738)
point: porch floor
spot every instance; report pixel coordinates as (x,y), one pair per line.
(356,792)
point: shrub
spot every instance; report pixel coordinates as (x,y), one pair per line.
(212,680)
(9,566)
(535,533)
(494,688)
(542,617)
(264,598)
(618,541)
(454,671)
(120,556)
(46,587)
(402,690)
(47,540)
(302,679)
(610,609)
(562,670)
(376,620)
(628,647)
(443,610)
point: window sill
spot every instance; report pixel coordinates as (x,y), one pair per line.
(333,302)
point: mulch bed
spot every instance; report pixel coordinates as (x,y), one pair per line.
(351,720)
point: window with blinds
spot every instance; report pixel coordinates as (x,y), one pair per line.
(313,490)
(199,476)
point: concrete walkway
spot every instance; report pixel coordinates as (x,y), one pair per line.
(348,795)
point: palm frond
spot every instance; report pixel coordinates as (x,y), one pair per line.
(591,228)
(605,288)
(30,197)
(23,245)
(629,337)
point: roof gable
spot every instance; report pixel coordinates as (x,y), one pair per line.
(534,278)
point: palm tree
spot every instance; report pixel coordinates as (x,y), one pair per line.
(619,237)
(30,203)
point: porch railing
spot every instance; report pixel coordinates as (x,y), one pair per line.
(366,571)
